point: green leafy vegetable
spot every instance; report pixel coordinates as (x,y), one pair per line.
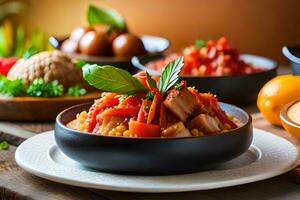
(39,88)
(80,63)
(4,145)
(11,88)
(178,86)
(170,74)
(151,82)
(149,96)
(20,41)
(30,52)
(106,16)
(200,43)
(111,79)
(76,91)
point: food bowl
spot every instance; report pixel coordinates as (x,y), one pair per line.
(152,156)
(153,44)
(234,89)
(287,122)
(293,54)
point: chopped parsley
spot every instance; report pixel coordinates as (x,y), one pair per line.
(4,145)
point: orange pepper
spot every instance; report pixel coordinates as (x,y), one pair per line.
(152,109)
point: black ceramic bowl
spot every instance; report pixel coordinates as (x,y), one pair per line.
(152,156)
(154,45)
(293,54)
(235,89)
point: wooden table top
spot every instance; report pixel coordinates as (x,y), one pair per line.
(15,183)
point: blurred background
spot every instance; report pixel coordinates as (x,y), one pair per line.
(253,26)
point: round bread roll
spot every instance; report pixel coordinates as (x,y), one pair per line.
(48,65)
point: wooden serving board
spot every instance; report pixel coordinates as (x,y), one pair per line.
(39,108)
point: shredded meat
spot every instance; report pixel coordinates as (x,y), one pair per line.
(181,103)
(205,123)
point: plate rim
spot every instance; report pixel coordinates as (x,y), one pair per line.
(140,189)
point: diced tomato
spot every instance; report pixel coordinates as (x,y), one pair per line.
(216,58)
(143,129)
(6,64)
(131,111)
(132,101)
(222,43)
(143,112)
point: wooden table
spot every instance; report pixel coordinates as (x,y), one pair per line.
(15,183)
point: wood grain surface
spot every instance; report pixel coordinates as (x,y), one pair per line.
(39,108)
(15,183)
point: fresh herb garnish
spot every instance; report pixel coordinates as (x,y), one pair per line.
(149,95)
(30,52)
(39,88)
(106,16)
(80,63)
(200,43)
(178,86)
(146,107)
(151,82)
(11,87)
(170,74)
(4,145)
(111,79)
(76,91)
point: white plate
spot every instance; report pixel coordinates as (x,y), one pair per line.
(268,156)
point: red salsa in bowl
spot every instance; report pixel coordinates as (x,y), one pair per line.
(209,58)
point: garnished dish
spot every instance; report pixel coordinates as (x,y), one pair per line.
(209,58)
(140,106)
(157,123)
(107,35)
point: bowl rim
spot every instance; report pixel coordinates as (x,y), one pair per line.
(136,62)
(284,114)
(61,125)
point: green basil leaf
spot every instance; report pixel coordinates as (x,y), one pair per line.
(106,16)
(80,63)
(151,81)
(111,79)
(170,74)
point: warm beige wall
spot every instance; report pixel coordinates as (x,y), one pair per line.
(254,26)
